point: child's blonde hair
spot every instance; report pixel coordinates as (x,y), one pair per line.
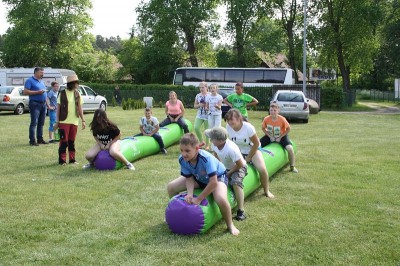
(203,84)
(189,139)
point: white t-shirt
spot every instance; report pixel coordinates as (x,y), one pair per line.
(212,101)
(148,125)
(242,137)
(229,154)
(201,111)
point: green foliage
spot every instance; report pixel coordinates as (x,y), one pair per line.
(332,96)
(132,104)
(97,66)
(46,33)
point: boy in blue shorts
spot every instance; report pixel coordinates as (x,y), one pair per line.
(229,154)
(200,169)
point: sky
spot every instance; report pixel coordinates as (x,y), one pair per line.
(110,18)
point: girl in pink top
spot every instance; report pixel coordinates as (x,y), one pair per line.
(174,110)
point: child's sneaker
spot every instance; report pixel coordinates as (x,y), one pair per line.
(130,166)
(240,215)
(293,169)
(88,166)
(164,151)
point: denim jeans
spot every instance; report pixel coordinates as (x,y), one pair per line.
(38,115)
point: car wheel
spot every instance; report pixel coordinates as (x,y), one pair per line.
(103,106)
(19,110)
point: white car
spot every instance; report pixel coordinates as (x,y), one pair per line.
(91,100)
(13,99)
(292,104)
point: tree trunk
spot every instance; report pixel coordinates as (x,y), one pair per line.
(292,58)
(345,71)
(191,47)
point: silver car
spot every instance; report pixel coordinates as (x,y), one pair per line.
(13,99)
(91,100)
(292,104)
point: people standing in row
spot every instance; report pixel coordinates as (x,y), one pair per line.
(240,100)
(202,113)
(52,104)
(213,106)
(35,88)
(69,110)
(174,110)
(244,135)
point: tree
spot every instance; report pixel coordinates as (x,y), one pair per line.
(46,33)
(242,16)
(96,66)
(189,20)
(129,57)
(288,10)
(345,30)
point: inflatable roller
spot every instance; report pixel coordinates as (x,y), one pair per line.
(185,218)
(134,148)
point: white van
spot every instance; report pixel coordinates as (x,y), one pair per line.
(18,75)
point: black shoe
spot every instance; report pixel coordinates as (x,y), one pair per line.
(164,151)
(33,144)
(52,141)
(240,215)
(42,142)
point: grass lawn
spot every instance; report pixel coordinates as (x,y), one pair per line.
(342,208)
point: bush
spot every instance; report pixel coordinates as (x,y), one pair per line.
(332,97)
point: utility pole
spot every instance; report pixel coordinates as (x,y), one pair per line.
(305,49)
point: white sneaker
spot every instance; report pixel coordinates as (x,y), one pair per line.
(293,169)
(88,166)
(130,166)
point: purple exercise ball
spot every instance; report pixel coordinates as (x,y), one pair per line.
(184,218)
(104,161)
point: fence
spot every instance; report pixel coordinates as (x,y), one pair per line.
(377,95)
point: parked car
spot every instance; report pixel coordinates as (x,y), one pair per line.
(13,99)
(224,92)
(91,100)
(292,104)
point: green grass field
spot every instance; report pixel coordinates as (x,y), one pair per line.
(342,208)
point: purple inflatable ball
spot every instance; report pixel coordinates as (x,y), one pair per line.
(104,161)
(184,218)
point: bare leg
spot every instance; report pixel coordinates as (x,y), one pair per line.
(262,170)
(115,152)
(92,153)
(290,150)
(175,186)
(239,195)
(223,204)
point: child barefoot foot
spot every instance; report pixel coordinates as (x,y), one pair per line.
(269,195)
(233,230)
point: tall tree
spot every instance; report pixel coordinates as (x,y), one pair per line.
(288,11)
(242,16)
(46,33)
(345,30)
(189,20)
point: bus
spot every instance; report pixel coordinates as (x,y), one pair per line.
(228,77)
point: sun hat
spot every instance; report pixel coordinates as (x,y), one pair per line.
(216,133)
(72,78)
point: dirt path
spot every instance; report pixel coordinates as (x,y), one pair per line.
(381,108)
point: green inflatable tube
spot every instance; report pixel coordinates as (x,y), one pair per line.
(183,218)
(134,148)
